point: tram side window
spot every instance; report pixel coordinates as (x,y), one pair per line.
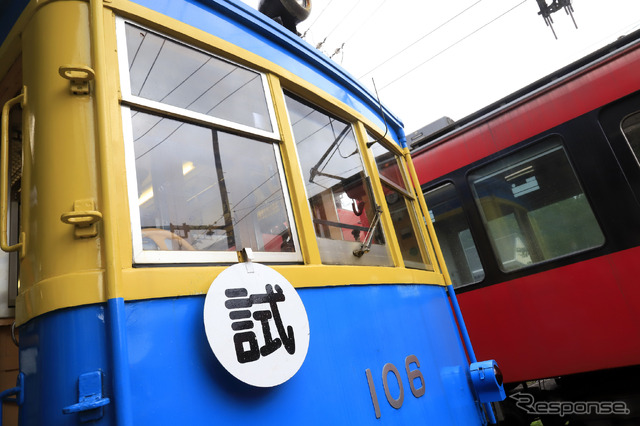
(457,244)
(533,206)
(631,129)
(339,193)
(400,202)
(203,160)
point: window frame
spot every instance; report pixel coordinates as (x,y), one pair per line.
(131,102)
(625,134)
(548,139)
(414,211)
(464,214)
(376,253)
(130,99)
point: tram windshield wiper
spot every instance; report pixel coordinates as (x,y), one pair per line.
(317,170)
(366,243)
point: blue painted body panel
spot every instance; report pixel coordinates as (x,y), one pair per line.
(55,349)
(154,355)
(176,379)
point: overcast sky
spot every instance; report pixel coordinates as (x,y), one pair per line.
(450,58)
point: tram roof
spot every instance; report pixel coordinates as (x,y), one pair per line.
(263,37)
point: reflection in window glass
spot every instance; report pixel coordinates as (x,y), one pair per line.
(631,130)
(165,71)
(451,226)
(340,198)
(399,200)
(388,165)
(533,207)
(198,190)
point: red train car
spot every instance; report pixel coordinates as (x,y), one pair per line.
(536,203)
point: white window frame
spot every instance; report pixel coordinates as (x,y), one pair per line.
(147,104)
(130,101)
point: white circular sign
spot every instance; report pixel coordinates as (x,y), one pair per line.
(256,324)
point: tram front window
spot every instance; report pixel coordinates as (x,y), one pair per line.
(400,202)
(164,71)
(203,161)
(198,190)
(339,194)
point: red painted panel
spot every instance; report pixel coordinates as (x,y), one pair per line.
(585,92)
(450,157)
(580,317)
(479,143)
(625,269)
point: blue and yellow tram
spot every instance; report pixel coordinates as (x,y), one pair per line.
(215,224)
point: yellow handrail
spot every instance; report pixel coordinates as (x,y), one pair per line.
(4,173)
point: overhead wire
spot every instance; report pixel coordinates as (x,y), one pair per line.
(316,20)
(135,56)
(262,204)
(183,123)
(418,40)
(365,20)
(345,16)
(452,45)
(339,49)
(151,67)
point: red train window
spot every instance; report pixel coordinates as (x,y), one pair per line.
(533,207)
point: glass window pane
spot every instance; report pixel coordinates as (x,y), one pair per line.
(387,163)
(631,130)
(404,220)
(165,71)
(403,214)
(451,226)
(198,190)
(340,198)
(533,207)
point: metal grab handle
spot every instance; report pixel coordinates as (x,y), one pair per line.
(76,72)
(79,77)
(87,404)
(4,172)
(81,218)
(90,400)
(84,217)
(16,392)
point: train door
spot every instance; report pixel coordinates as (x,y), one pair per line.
(10,86)
(621,124)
